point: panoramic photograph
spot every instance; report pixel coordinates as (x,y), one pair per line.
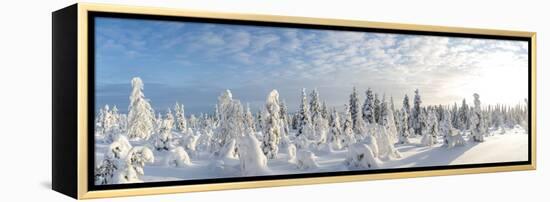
(178,101)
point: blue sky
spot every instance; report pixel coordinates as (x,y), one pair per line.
(194,62)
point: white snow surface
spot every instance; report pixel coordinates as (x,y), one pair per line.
(511,146)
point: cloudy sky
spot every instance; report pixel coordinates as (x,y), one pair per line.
(194,62)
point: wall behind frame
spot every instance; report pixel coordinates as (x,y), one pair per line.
(25,78)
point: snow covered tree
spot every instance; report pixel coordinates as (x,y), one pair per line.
(392,107)
(178,157)
(477,123)
(335,133)
(388,121)
(304,116)
(320,124)
(106,170)
(429,127)
(347,129)
(305,160)
(181,122)
(158,122)
(386,133)
(403,126)
(110,124)
(216,115)
(463,116)
(324,110)
(163,140)
(294,121)
(170,117)
(141,117)
(285,119)
(230,124)
(100,118)
(368,107)
(395,112)
(361,156)
(377,107)
(249,120)
(415,114)
(498,118)
(253,162)
(446,126)
(113,161)
(135,161)
(117,118)
(383,112)
(260,120)
(193,122)
(356,114)
(272,130)
(451,136)
(314,104)
(407,108)
(454,116)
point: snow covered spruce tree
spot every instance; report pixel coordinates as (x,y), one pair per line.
(429,127)
(260,120)
(178,157)
(395,113)
(407,108)
(347,129)
(141,117)
(249,120)
(163,140)
(253,162)
(477,123)
(463,116)
(376,108)
(106,170)
(285,119)
(158,122)
(109,122)
(368,107)
(135,161)
(193,122)
(446,127)
(272,131)
(415,114)
(305,126)
(181,122)
(451,136)
(403,126)
(386,133)
(118,119)
(320,124)
(113,161)
(356,114)
(335,132)
(230,125)
(324,110)
(99,119)
(361,156)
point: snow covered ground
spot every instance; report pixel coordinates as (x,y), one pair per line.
(498,147)
(508,147)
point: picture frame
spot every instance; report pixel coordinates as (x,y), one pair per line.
(74,158)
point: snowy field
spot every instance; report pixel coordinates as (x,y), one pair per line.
(234,142)
(510,146)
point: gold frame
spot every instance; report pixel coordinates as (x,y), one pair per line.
(82,86)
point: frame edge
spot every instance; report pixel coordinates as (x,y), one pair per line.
(85,193)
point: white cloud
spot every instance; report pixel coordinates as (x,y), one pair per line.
(444,68)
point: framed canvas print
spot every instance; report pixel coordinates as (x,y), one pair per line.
(152,100)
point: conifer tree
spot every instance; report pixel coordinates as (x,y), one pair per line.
(141,117)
